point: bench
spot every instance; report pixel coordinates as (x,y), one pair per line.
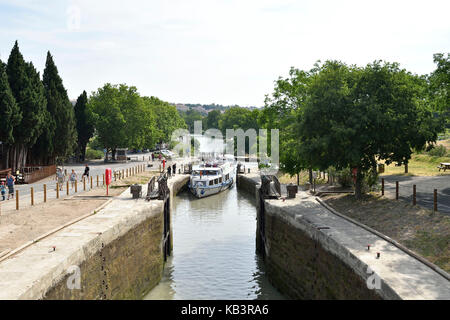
(443,166)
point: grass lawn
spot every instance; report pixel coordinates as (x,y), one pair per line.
(415,227)
(421,164)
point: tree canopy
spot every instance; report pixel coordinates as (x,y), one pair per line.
(354,116)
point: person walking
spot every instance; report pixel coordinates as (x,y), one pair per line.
(60,178)
(10,180)
(3,190)
(174,169)
(169,171)
(153,157)
(86,172)
(73,178)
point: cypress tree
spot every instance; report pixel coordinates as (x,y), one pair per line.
(62,125)
(25,85)
(10,115)
(39,105)
(85,129)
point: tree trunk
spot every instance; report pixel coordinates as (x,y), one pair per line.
(406,167)
(358,185)
(310,176)
(298,178)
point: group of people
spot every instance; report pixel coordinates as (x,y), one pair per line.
(171,170)
(60,176)
(10,181)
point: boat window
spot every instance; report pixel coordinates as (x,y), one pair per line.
(220,180)
(216,181)
(227,177)
(211,182)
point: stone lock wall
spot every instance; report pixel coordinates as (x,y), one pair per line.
(126,268)
(302,269)
(297,264)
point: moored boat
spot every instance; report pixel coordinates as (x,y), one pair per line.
(211,178)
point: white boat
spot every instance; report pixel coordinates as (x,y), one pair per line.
(211,178)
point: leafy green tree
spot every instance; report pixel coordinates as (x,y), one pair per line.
(62,123)
(212,120)
(124,119)
(190,117)
(27,89)
(440,85)
(109,121)
(85,128)
(280,112)
(240,118)
(355,115)
(10,115)
(167,119)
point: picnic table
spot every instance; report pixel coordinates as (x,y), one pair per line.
(444,166)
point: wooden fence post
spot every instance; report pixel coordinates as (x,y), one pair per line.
(92,179)
(396,190)
(382,186)
(17,199)
(67,187)
(45,193)
(97,181)
(84,184)
(57,190)
(32,196)
(435,200)
(76,185)
(414,195)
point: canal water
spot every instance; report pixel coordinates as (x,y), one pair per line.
(214,251)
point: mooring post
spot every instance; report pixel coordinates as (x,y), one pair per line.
(17,199)
(396,190)
(414,195)
(435,200)
(32,196)
(45,193)
(57,190)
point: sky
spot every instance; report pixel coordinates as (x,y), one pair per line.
(225,52)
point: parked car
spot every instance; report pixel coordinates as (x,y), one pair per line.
(168,154)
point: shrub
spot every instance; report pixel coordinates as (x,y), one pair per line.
(92,154)
(438,151)
(344,178)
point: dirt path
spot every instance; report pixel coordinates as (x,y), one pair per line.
(415,227)
(19,227)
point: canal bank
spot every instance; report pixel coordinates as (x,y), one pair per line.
(312,253)
(116,253)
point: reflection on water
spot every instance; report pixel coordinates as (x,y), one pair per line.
(214,251)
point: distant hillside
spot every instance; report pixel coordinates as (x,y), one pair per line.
(204,109)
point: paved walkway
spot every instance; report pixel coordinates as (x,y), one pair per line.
(424,190)
(407,276)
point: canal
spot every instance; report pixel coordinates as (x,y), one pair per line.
(214,251)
